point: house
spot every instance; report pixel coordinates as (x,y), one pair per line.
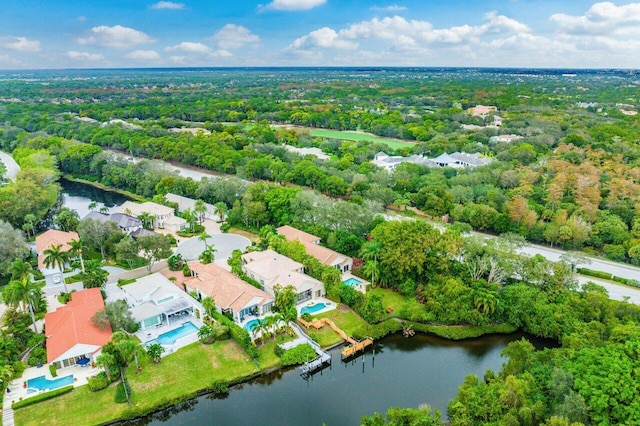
(47,240)
(154,301)
(175,224)
(185,203)
(270,268)
(381,159)
(71,335)
(158,213)
(482,110)
(457,159)
(127,223)
(505,138)
(461,159)
(311,243)
(231,294)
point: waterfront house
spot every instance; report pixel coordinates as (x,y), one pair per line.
(157,212)
(270,268)
(185,203)
(128,224)
(312,244)
(47,240)
(155,301)
(71,334)
(231,294)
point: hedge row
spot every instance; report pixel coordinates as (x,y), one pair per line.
(377,331)
(461,332)
(42,397)
(238,334)
(298,355)
(609,276)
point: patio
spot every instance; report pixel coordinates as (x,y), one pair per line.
(150,334)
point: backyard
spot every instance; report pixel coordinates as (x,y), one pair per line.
(344,318)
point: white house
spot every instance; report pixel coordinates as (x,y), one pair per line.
(154,301)
(158,212)
(270,268)
(185,203)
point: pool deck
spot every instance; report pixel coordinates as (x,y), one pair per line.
(18,390)
(362,287)
(152,333)
(331,305)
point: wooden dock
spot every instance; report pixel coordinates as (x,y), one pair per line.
(354,347)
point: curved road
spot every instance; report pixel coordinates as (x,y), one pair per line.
(10,164)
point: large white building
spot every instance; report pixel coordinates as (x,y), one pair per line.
(456,160)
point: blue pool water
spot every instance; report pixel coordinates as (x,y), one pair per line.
(313,308)
(352,282)
(170,337)
(251,325)
(41,383)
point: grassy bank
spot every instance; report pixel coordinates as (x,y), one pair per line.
(359,137)
(131,195)
(178,377)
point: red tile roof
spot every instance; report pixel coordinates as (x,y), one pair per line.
(311,244)
(71,324)
(50,238)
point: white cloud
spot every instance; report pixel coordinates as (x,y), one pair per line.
(167,5)
(190,47)
(20,44)
(81,18)
(391,8)
(86,56)
(234,37)
(294,4)
(324,37)
(7,61)
(118,37)
(602,18)
(143,55)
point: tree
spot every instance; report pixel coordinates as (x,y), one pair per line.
(29,224)
(221,210)
(23,293)
(191,218)
(154,247)
(203,237)
(12,247)
(76,251)
(199,209)
(285,303)
(209,305)
(54,257)
(94,276)
(370,252)
(95,233)
(147,220)
(67,219)
(155,351)
(115,314)
(127,249)
(421,416)
(206,256)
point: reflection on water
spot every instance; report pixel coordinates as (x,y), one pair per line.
(405,372)
(78,196)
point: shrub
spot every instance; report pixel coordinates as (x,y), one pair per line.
(122,282)
(37,356)
(18,368)
(52,370)
(377,331)
(220,386)
(298,355)
(225,228)
(186,271)
(464,332)
(98,382)
(121,394)
(42,397)
(306,316)
(595,274)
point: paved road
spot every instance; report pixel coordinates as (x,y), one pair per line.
(10,164)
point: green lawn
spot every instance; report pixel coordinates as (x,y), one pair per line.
(190,369)
(390,299)
(344,318)
(360,137)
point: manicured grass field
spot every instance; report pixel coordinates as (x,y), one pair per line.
(190,369)
(390,299)
(359,137)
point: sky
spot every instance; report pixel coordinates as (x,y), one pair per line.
(41,34)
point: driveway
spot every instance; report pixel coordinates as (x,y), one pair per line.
(223,243)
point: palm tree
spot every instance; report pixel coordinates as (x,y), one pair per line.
(220,209)
(206,256)
(370,252)
(76,251)
(191,218)
(23,293)
(209,305)
(92,205)
(146,219)
(199,208)
(21,270)
(259,328)
(155,351)
(6,375)
(95,275)
(203,237)
(56,257)
(271,324)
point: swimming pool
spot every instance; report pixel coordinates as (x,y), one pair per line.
(252,324)
(170,337)
(41,383)
(313,308)
(352,282)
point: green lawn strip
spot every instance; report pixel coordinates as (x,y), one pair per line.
(359,137)
(344,318)
(390,299)
(267,357)
(184,373)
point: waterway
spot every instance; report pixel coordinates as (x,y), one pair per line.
(404,373)
(78,197)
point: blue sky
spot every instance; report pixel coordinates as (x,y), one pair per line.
(137,33)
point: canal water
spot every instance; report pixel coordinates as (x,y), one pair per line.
(78,196)
(405,373)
